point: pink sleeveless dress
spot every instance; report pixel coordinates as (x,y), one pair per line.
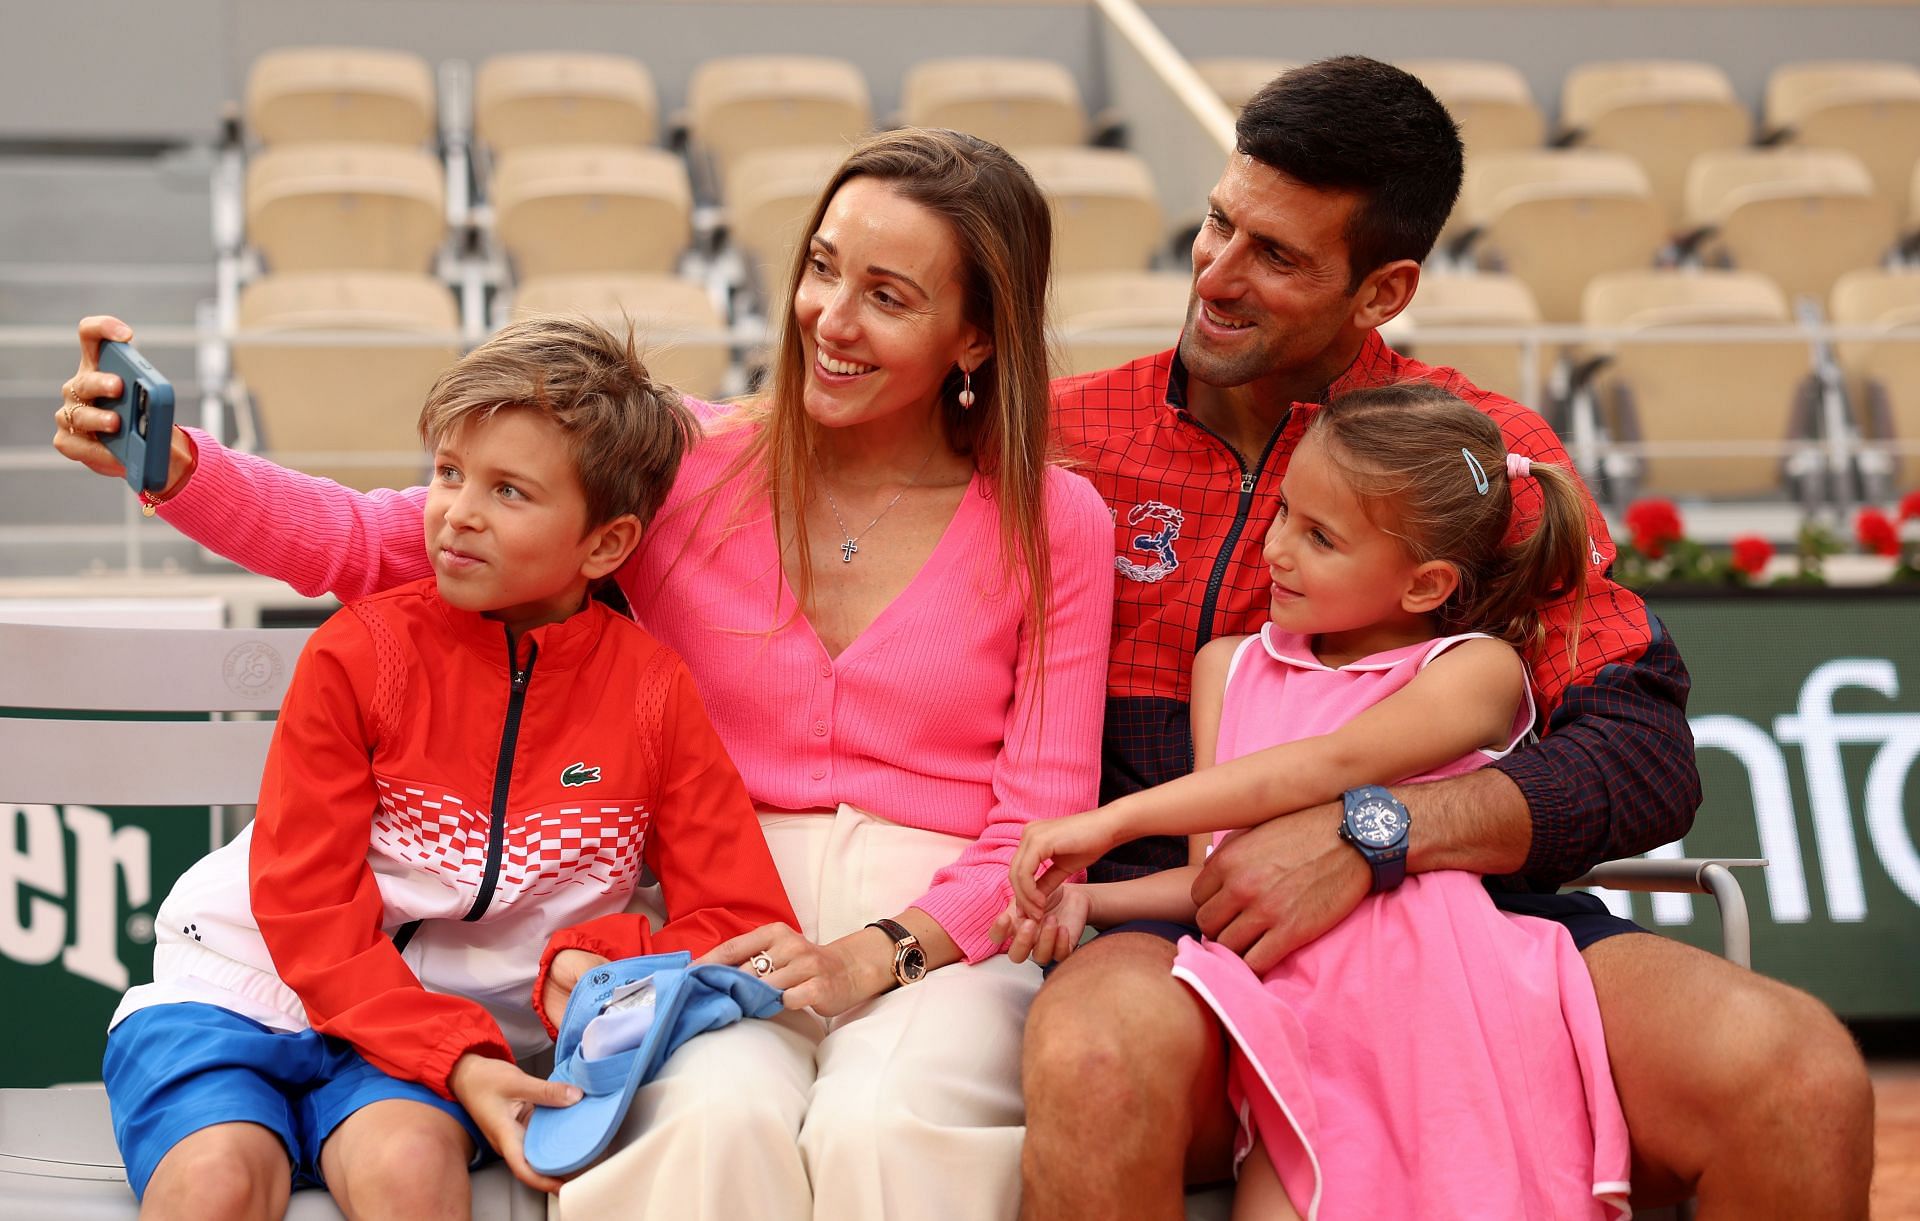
(1430,1056)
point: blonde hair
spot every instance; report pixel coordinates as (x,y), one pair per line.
(626,432)
(1401,448)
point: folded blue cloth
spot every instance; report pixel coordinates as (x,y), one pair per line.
(687,1000)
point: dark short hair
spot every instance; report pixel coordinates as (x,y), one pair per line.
(1356,124)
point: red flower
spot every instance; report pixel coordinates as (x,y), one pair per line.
(1910,506)
(1751,553)
(1654,523)
(1876,532)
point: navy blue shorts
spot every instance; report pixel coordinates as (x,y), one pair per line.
(171,1070)
(1586,918)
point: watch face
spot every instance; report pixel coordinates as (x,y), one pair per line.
(1377,823)
(912,964)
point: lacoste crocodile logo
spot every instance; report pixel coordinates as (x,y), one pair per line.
(579,774)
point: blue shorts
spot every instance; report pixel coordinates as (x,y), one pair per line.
(1585,917)
(171,1070)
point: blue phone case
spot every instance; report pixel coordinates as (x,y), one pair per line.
(145,408)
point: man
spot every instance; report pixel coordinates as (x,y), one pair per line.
(1736,1088)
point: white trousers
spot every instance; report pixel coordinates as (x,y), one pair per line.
(904,1108)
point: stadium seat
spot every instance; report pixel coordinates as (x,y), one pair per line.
(1106,318)
(1884,376)
(1016,103)
(681,336)
(1236,79)
(768,208)
(1703,394)
(318,405)
(1106,214)
(1802,217)
(740,104)
(1662,113)
(1556,219)
(520,101)
(1490,101)
(591,208)
(325,207)
(332,95)
(1870,108)
(1483,300)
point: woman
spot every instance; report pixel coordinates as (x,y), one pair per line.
(897,615)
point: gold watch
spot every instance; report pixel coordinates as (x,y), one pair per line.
(909,960)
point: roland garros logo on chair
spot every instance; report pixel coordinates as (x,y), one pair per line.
(578,774)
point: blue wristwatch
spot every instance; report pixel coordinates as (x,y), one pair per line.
(1376,825)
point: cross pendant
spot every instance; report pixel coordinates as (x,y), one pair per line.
(846,551)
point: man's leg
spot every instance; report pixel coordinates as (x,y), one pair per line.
(1125,1077)
(1737,1087)
(227,1172)
(401,1159)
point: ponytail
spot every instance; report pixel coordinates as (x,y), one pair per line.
(1548,564)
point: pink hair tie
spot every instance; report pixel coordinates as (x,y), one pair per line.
(1519,466)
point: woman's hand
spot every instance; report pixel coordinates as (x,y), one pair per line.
(1070,844)
(828,979)
(78,425)
(562,974)
(1049,938)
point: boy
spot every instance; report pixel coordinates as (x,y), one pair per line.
(463,767)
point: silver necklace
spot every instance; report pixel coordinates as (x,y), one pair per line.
(850,547)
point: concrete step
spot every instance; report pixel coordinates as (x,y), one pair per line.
(107,209)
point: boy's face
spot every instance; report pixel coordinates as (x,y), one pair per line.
(506,522)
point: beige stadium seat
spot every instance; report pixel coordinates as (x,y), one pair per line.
(1704,393)
(1884,377)
(1492,102)
(1106,215)
(591,208)
(520,101)
(741,104)
(1236,79)
(1016,103)
(1556,219)
(1870,108)
(768,208)
(681,336)
(1662,113)
(340,94)
(1107,318)
(316,404)
(1801,216)
(1483,300)
(324,207)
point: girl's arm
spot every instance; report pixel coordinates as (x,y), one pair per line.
(1465,699)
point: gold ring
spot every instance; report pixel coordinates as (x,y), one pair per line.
(66,416)
(761,964)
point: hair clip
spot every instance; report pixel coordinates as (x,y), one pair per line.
(1479,472)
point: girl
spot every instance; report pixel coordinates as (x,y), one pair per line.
(1429,1056)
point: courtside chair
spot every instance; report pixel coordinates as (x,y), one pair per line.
(1734,415)
(1106,318)
(546,98)
(1106,213)
(1802,216)
(1491,101)
(57,1156)
(1884,375)
(682,338)
(767,209)
(591,207)
(348,408)
(329,95)
(1015,103)
(323,207)
(1662,113)
(1237,78)
(1871,108)
(1554,219)
(1487,300)
(745,103)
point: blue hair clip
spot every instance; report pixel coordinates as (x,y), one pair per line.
(1479,472)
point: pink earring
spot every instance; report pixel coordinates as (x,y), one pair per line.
(966,389)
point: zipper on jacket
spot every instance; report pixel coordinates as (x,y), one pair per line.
(502,778)
(1249,480)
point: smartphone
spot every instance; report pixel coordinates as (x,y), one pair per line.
(145,407)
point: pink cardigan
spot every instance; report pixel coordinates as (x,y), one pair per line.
(925,719)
